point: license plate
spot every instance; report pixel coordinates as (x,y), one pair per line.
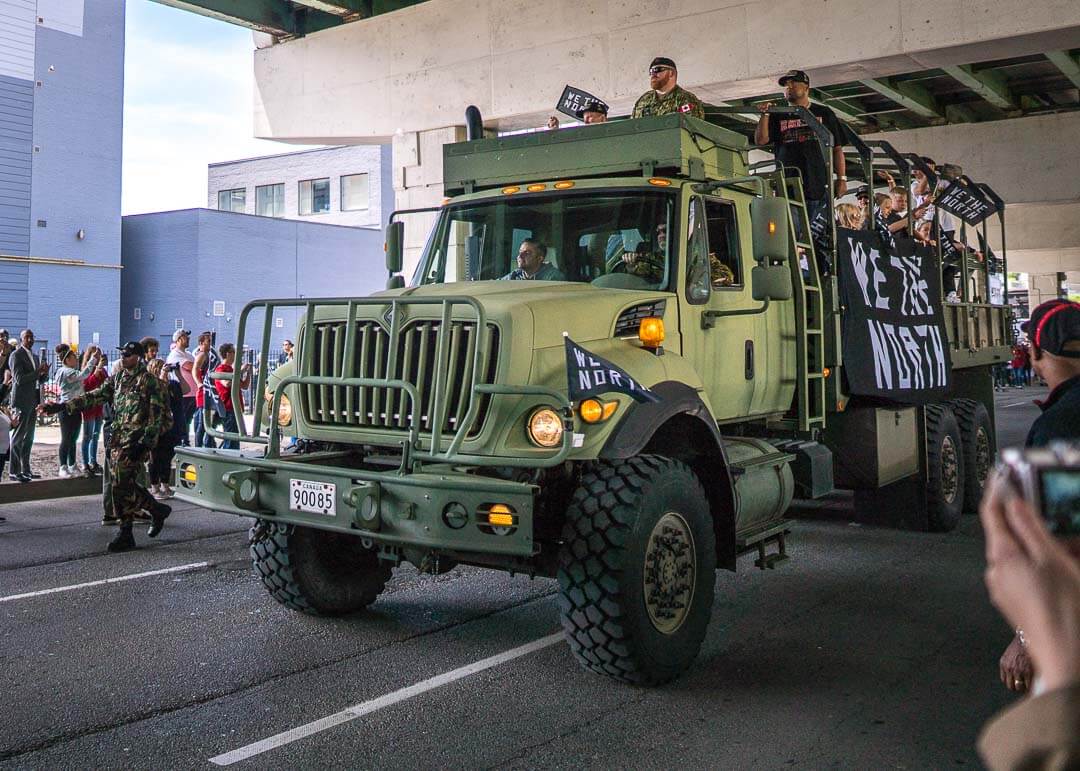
(313,497)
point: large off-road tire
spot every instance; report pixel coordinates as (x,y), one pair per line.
(637,569)
(977,436)
(944,469)
(315,571)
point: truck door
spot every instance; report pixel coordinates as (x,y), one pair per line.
(729,351)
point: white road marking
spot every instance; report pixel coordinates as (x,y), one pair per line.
(387,700)
(118,579)
(1017,404)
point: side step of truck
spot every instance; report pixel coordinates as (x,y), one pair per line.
(774,534)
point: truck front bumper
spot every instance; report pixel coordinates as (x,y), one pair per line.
(432,510)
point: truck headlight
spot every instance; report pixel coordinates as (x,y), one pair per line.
(545,427)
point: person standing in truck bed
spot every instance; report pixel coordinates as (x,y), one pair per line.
(665,96)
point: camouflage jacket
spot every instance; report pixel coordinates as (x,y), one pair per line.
(140,405)
(676,100)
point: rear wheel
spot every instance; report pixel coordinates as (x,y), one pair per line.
(637,569)
(977,435)
(944,469)
(316,571)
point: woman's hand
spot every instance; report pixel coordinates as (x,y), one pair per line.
(1034,582)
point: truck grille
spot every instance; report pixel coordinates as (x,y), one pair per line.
(386,408)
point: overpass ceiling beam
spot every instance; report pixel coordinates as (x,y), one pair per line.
(842,108)
(987,84)
(275,17)
(908,95)
(339,7)
(1068,65)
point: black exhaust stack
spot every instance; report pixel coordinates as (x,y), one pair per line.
(474,124)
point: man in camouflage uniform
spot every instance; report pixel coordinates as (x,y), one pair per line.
(665,96)
(140,415)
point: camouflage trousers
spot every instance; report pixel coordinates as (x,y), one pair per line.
(107,474)
(126,467)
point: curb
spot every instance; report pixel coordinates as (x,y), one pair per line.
(43,489)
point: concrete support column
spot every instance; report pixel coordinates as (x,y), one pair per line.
(1043,287)
(418,182)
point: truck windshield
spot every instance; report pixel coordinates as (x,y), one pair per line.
(618,239)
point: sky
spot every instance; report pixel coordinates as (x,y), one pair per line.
(188,86)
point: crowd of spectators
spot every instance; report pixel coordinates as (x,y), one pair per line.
(28,379)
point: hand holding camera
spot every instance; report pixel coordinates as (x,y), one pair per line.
(1031,576)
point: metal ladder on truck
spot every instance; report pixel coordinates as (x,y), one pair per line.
(809,408)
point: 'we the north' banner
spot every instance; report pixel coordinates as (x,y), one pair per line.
(895,345)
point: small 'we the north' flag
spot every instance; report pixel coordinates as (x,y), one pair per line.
(589,375)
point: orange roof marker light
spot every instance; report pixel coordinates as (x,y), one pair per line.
(511,190)
(536,188)
(651,332)
(660,182)
(563,185)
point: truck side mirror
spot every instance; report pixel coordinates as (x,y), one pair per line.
(769,224)
(395,246)
(395,282)
(771,282)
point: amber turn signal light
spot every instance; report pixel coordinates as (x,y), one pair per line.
(596,411)
(651,332)
(500,515)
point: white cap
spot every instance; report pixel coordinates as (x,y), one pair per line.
(177,333)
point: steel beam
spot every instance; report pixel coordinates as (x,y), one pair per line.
(908,95)
(842,108)
(276,17)
(339,7)
(988,84)
(1068,65)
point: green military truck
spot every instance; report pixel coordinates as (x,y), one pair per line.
(433,419)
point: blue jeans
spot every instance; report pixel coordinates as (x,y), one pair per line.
(91,429)
(202,439)
(228,424)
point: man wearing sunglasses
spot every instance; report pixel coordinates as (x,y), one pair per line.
(664,95)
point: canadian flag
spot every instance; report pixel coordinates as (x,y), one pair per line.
(685,108)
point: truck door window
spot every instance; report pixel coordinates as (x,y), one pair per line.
(725,258)
(697,254)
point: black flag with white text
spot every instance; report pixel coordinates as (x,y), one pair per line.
(895,343)
(590,375)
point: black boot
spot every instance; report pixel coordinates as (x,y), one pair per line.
(158,514)
(124,540)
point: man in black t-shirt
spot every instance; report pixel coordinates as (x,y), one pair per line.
(795,144)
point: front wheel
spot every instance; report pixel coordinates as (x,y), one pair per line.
(316,571)
(637,569)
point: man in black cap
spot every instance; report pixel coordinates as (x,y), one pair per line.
(1054,332)
(141,416)
(665,95)
(593,111)
(795,144)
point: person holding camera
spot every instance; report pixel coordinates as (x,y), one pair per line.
(224,393)
(1035,582)
(69,379)
(140,417)
(1054,330)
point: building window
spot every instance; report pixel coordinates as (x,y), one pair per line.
(232,200)
(354,192)
(315,196)
(270,200)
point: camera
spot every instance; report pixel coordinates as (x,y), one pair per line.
(1050,479)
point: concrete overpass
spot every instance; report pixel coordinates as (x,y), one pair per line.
(983,83)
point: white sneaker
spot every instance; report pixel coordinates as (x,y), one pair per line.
(952,297)
(64,473)
(166,491)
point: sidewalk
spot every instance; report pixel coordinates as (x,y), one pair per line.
(45,459)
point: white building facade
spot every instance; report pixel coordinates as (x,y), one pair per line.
(348,185)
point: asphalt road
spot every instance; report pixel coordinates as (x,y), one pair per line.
(871,647)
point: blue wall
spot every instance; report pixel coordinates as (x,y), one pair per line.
(60,167)
(176,264)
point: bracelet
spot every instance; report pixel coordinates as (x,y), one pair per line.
(1020,637)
